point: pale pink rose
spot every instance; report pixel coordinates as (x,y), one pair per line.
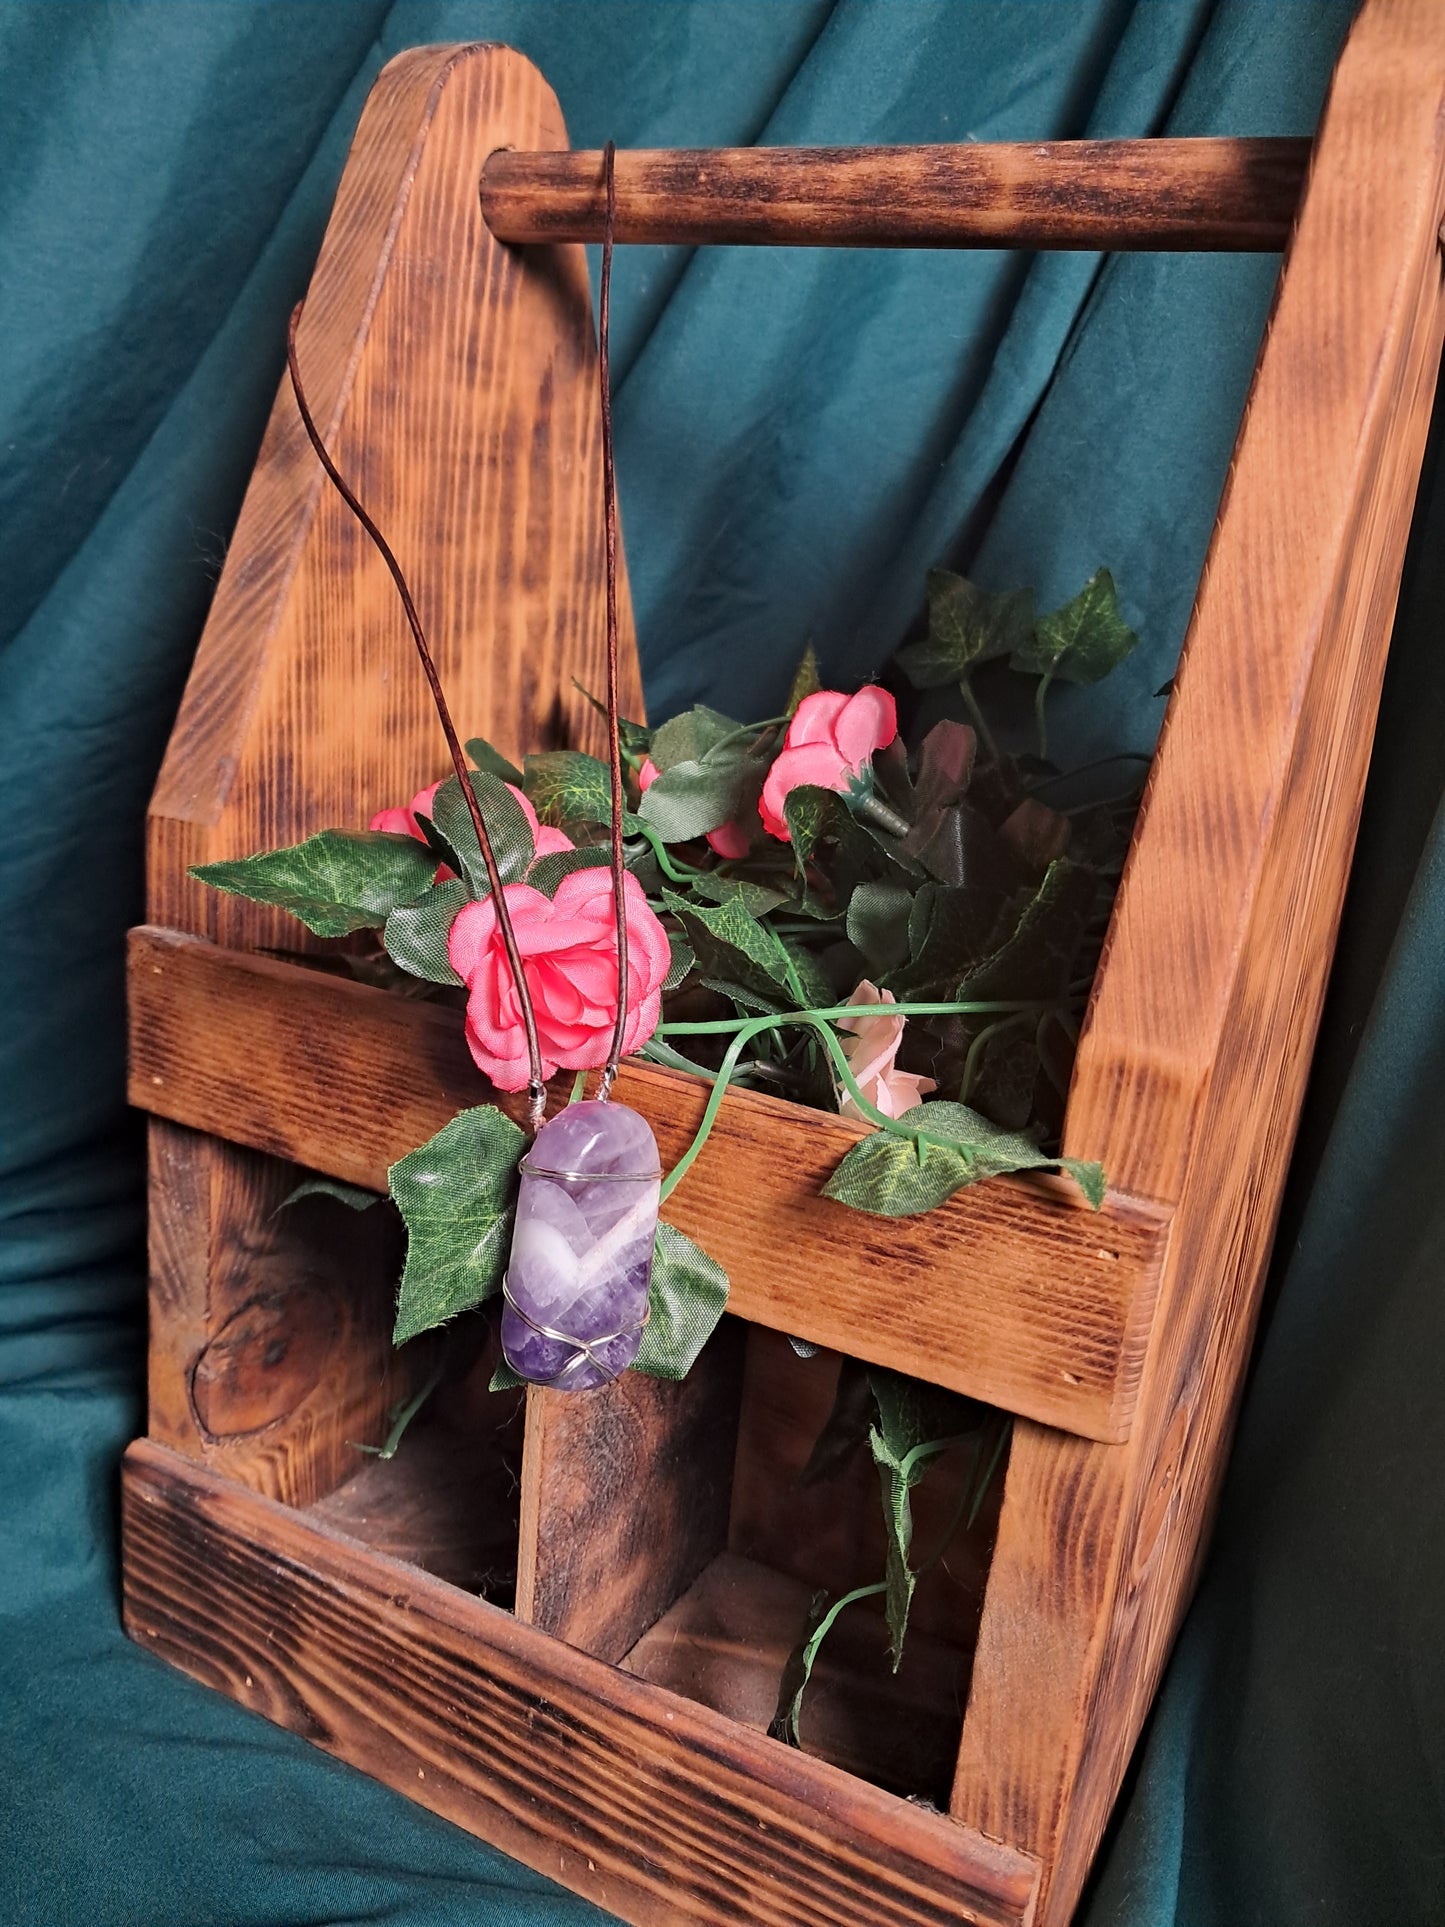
(403,822)
(730,840)
(870,1052)
(830,742)
(569,956)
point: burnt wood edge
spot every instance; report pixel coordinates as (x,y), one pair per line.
(1229,194)
(644,1802)
(1067,1351)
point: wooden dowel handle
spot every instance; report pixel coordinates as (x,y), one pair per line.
(1234,195)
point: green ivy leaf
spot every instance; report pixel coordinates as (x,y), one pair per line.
(807,681)
(456,1194)
(565,786)
(416,933)
(635,738)
(688,1296)
(682,962)
(508,831)
(966,626)
(756,898)
(493,761)
(896,1177)
(548,871)
(953,926)
(688,738)
(878,914)
(725,936)
(334,883)
(1036,957)
(916,1424)
(690,798)
(351,1195)
(1082,641)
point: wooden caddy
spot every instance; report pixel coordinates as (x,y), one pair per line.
(452,371)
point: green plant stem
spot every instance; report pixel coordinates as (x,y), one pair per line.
(980,722)
(819,1021)
(675,873)
(720,1026)
(979,1045)
(1039,695)
(1085,769)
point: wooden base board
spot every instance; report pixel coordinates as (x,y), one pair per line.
(659,1809)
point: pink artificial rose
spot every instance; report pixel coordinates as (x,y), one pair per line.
(870,1052)
(569,954)
(729,840)
(830,743)
(403,822)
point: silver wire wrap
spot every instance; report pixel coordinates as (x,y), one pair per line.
(582,1348)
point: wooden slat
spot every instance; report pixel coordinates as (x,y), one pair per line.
(1176,194)
(655,1808)
(1014,1291)
(1195,1053)
(625,1497)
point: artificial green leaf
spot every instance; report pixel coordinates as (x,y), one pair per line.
(953,929)
(726,935)
(820,819)
(351,1195)
(505,821)
(682,962)
(878,913)
(688,738)
(334,883)
(493,761)
(565,786)
(688,1296)
(807,681)
(966,626)
(1036,957)
(504,1379)
(812,983)
(635,738)
(404,1411)
(917,1423)
(416,933)
(756,898)
(885,1174)
(690,798)
(846,1427)
(548,871)
(798,1670)
(745,997)
(1082,641)
(456,1194)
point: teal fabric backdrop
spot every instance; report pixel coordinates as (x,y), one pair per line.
(800,435)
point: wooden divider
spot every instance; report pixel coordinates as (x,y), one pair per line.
(1015,1291)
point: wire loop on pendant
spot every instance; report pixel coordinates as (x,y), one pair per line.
(609,518)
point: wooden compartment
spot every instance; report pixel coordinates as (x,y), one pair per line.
(610,1729)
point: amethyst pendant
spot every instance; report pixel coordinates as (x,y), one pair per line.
(581,1263)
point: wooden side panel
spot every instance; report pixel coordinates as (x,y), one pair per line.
(1013,1291)
(1195,1055)
(454,381)
(270,1352)
(625,1495)
(655,1808)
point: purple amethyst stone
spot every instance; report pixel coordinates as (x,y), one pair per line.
(581,1257)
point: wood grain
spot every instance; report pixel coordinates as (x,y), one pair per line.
(457,391)
(1197,1045)
(1236,194)
(270,1353)
(625,1497)
(655,1808)
(727,1642)
(1013,1291)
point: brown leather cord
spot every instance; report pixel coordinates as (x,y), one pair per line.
(609,518)
(459,764)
